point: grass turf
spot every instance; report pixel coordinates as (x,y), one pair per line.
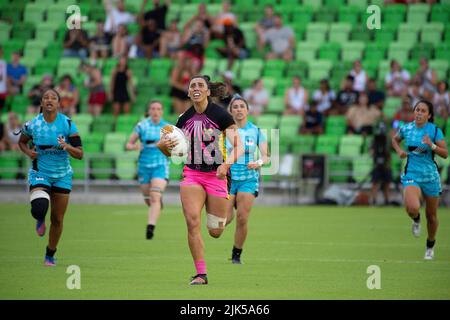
(290,253)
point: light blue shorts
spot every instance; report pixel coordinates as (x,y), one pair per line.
(37,179)
(429,188)
(249,186)
(146,175)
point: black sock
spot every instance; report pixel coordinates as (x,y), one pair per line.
(430,244)
(417,219)
(150,227)
(49,252)
(236,252)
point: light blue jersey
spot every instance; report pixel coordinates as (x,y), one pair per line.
(420,164)
(149,134)
(250,136)
(52,161)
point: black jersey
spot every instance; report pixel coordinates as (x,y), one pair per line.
(206,135)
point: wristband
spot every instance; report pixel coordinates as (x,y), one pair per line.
(260,162)
(433,147)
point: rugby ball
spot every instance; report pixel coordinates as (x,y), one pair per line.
(176,134)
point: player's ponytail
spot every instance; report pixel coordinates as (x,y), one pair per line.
(430,109)
(217,89)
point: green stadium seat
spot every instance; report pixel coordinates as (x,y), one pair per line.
(398,51)
(57,12)
(68,65)
(319,69)
(362,167)
(267,121)
(326,15)
(102,167)
(306,51)
(12,13)
(339,169)
(252,69)
(361,34)
(34,12)
(418,13)
(126,123)
(103,123)
(274,68)
(375,52)
(327,144)
(302,144)
(83,119)
(359,4)
(316,4)
(335,125)
(175,171)
(408,34)
(115,142)
(54,51)
(352,51)
(422,50)
(9,165)
(45,33)
(394,13)
(93,143)
(411,66)
(126,165)
(302,15)
(432,33)
(441,68)
(330,51)
(350,145)
(23,30)
(440,13)
(391,105)
(317,32)
(20,104)
(276,105)
(5,31)
(349,14)
(78,167)
(296,68)
(339,32)
(290,120)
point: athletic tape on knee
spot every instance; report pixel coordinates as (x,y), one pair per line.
(156,189)
(39,194)
(215,222)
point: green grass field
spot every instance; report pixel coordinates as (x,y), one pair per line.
(291,253)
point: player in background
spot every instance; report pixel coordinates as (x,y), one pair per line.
(55,138)
(423,139)
(244,173)
(206,126)
(153,165)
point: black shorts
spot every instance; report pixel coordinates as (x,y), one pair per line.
(381,174)
(50,189)
(177,93)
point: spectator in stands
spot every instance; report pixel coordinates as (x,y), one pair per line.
(147,40)
(157,13)
(267,22)
(170,41)
(37,91)
(224,17)
(194,41)
(121,42)
(428,79)
(397,80)
(121,87)
(441,100)
(76,43)
(116,16)
(296,98)
(100,43)
(17,74)
(281,39)
(324,97)
(361,117)
(3,80)
(376,97)
(405,114)
(312,120)
(234,42)
(232,88)
(257,97)
(345,97)
(10,132)
(415,92)
(179,80)
(381,172)
(203,15)
(3,142)
(360,76)
(97,93)
(69,95)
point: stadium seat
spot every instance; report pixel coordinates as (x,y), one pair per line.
(274,68)
(57,12)
(267,121)
(103,123)
(302,144)
(5,31)
(93,143)
(339,32)
(422,50)
(398,51)
(440,13)
(391,105)
(441,68)
(432,33)
(126,165)
(317,32)
(306,51)
(408,34)
(352,51)
(251,68)
(330,51)
(114,142)
(360,33)
(349,14)
(326,15)
(23,30)
(34,12)
(394,13)
(339,169)
(302,15)
(319,69)
(359,4)
(126,123)
(175,171)
(79,168)
(20,104)
(335,125)
(327,144)
(102,167)
(362,167)
(418,13)
(9,165)
(350,145)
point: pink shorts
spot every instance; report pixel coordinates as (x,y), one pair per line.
(208,180)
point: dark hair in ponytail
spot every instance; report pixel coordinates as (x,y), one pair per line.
(218,89)
(429,106)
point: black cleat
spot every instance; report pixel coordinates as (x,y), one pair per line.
(236,260)
(199,279)
(150,229)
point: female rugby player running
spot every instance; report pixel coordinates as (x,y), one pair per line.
(54,137)
(205,125)
(244,173)
(421,177)
(153,167)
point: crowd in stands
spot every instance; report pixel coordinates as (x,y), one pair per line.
(358,98)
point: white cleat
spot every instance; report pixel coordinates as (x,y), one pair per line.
(429,254)
(416,229)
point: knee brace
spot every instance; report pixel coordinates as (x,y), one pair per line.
(156,189)
(215,222)
(40,201)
